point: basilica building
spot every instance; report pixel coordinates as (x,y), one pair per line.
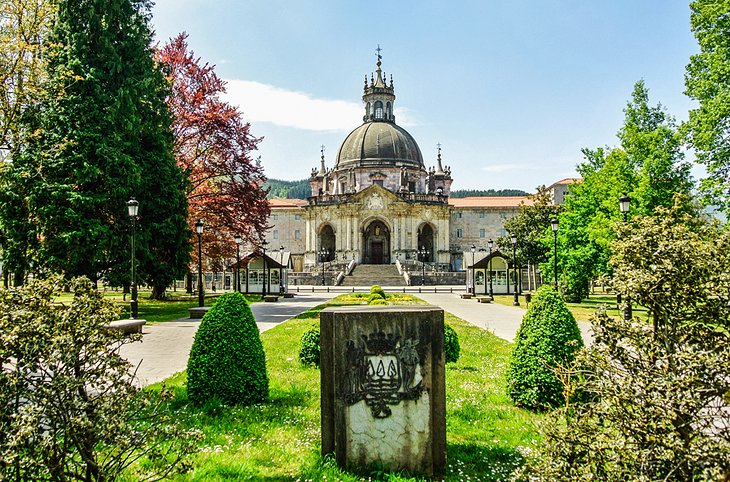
(380,203)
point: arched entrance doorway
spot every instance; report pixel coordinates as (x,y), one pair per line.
(425,240)
(376,241)
(327,242)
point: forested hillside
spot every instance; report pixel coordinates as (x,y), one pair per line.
(302,190)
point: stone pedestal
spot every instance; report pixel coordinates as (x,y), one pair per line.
(383,397)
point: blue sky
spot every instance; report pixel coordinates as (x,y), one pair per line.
(511,89)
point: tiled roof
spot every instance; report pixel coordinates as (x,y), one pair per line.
(490,201)
(282,203)
(567,180)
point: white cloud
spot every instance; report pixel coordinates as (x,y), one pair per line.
(266,103)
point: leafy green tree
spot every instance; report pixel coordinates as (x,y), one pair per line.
(708,82)
(70,408)
(530,225)
(101,136)
(654,394)
(648,166)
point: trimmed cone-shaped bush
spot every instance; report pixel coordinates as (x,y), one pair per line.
(227,360)
(452,349)
(548,336)
(309,347)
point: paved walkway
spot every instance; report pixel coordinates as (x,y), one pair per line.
(165,347)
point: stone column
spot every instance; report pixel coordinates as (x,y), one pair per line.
(383,387)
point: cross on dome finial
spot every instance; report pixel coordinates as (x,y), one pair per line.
(378,50)
(321,149)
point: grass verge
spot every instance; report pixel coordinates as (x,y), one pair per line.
(280,440)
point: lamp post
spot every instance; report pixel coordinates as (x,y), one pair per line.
(423,252)
(513,239)
(490,243)
(624,204)
(264,265)
(201,294)
(132,207)
(473,250)
(554,227)
(281,262)
(237,238)
(323,253)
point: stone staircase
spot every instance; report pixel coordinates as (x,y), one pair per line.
(374,274)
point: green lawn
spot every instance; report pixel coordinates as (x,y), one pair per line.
(583,310)
(155,311)
(280,440)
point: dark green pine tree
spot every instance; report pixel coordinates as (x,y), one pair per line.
(104,136)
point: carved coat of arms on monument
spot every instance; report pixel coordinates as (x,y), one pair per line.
(374,202)
(382,370)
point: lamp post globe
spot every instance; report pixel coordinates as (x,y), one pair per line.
(237,278)
(132,207)
(490,243)
(624,204)
(554,227)
(323,253)
(201,290)
(513,240)
(423,254)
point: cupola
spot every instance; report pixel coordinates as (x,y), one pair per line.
(378,96)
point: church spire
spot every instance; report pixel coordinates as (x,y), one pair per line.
(439,167)
(322,168)
(379,97)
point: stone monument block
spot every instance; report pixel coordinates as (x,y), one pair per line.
(383,387)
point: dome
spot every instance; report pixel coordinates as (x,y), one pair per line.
(379,144)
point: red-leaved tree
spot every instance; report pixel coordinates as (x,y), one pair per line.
(213,145)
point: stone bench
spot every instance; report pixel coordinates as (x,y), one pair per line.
(271,298)
(288,295)
(198,312)
(127,326)
(466,296)
(484,299)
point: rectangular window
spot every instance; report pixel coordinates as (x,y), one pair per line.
(481,232)
(297,217)
(297,235)
(457,215)
(379,182)
(276,234)
(274,217)
(459,233)
(481,214)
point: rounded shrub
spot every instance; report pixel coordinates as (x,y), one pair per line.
(377,289)
(375,296)
(452,349)
(548,337)
(227,359)
(309,347)
(378,301)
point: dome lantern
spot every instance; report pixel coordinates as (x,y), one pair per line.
(379,97)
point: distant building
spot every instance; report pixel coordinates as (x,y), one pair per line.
(558,190)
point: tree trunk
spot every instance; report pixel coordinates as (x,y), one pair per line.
(189,282)
(18,277)
(158,292)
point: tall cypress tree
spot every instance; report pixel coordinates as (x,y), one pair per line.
(104,136)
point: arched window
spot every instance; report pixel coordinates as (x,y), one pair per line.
(378,110)
(388,113)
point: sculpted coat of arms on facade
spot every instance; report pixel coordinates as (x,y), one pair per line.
(375,202)
(381,370)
